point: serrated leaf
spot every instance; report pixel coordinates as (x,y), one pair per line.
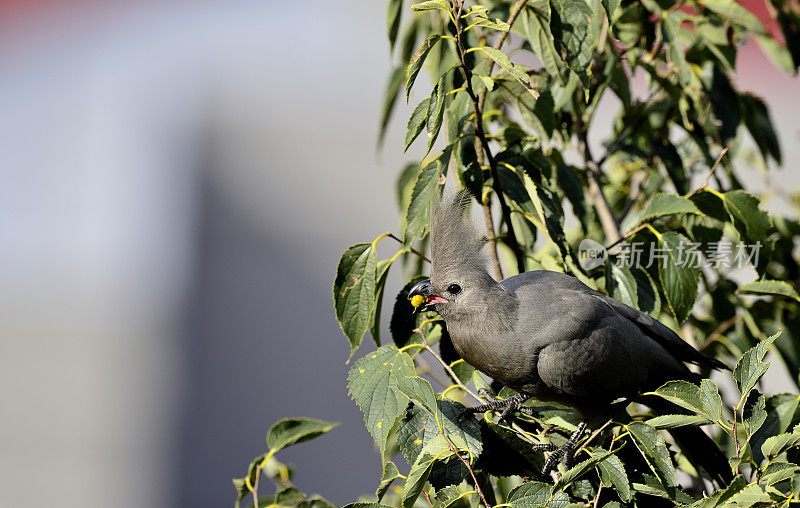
(502,60)
(417,59)
(315,502)
(679,277)
(390,474)
(749,496)
(535,495)
(775,445)
(575,26)
(621,285)
(417,216)
(393,16)
(758,122)
(667,204)
(381,275)
(735,13)
(417,121)
(497,24)
(393,85)
(654,450)
(612,474)
(769,287)
(292,431)
(354,292)
(431,5)
(751,222)
(536,22)
(682,393)
(673,421)
(446,496)
(579,470)
(750,366)
(372,384)
(417,477)
(710,400)
(778,472)
(435,112)
(419,391)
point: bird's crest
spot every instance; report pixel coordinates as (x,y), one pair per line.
(455,245)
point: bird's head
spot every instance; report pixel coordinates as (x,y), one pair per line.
(459,283)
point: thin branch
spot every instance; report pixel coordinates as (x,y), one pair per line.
(471,473)
(492,240)
(255,487)
(411,250)
(594,435)
(446,367)
(511,238)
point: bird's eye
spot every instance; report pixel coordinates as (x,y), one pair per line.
(454,289)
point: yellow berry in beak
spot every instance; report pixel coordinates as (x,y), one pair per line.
(417,300)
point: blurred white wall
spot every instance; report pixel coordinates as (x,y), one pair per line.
(177,181)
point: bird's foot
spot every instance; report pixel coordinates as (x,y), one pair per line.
(565,453)
(507,405)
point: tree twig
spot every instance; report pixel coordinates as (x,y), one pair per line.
(511,238)
(255,486)
(449,370)
(411,250)
(594,435)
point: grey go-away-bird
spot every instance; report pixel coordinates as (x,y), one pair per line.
(550,337)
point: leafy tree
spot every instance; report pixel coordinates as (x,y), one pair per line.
(668,182)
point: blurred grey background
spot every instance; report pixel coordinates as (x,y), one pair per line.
(177,182)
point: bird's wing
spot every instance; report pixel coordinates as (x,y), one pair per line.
(659,332)
(540,286)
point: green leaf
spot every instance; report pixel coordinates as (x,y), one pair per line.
(679,274)
(769,287)
(757,120)
(579,470)
(575,25)
(535,495)
(751,222)
(536,22)
(446,496)
(710,400)
(654,450)
(777,472)
(292,431)
(497,24)
(417,59)
(749,496)
(372,384)
(417,121)
(354,292)
(422,426)
(390,474)
(502,60)
(682,393)
(676,56)
(419,391)
(417,477)
(382,274)
(389,101)
(621,285)
(612,474)
(435,112)
(735,13)
(673,421)
(750,367)
(393,10)
(417,216)
(431,5)
(775,445)
(667,204)
(314,502)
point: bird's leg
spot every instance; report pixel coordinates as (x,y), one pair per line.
(507,405)
(566,452)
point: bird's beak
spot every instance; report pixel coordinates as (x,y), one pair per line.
(422,297)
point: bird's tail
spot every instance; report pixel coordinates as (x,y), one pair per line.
(695,444)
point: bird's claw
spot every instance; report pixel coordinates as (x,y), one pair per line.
(565,453)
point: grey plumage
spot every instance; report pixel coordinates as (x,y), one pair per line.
(546,334)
